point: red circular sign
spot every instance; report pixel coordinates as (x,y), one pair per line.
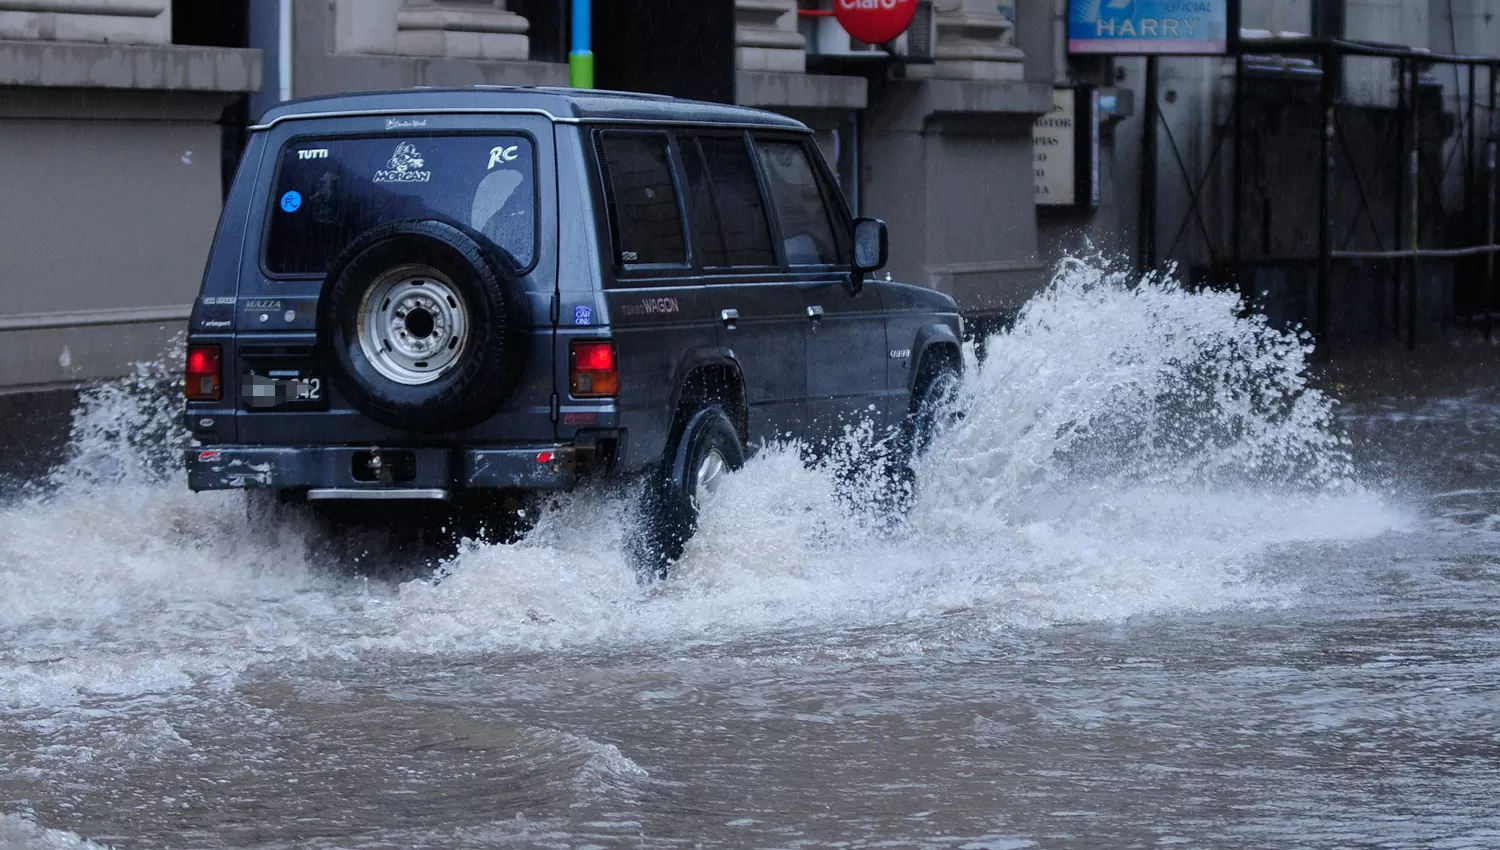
(875,21)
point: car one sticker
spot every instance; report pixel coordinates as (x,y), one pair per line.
(291,201)
(405,166)
(583,315)
(313,153)
(503,153)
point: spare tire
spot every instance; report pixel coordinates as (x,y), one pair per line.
(421,325)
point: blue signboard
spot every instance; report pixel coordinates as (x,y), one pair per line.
(1148,26)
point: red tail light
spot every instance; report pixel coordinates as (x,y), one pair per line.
(594,372)
(203,382)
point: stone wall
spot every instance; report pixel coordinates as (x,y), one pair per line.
(112,140)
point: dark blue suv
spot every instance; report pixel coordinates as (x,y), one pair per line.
(438,294)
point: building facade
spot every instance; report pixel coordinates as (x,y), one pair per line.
(1263,107)
(111,131)
(120,119)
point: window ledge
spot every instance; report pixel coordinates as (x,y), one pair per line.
(65,64)
(781,90)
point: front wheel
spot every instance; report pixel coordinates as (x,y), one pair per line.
(934,409)
(691,473)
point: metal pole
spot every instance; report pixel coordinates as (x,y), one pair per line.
(1414,223)
(1147,253)
(1237,220)
(1323,321)
(1468,143)
(1400,206)
(581,59)
(1489,214)
(284,50)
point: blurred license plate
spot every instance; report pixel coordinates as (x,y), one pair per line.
(283,389)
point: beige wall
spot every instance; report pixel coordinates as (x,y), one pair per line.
(107,227)
(152,191)
(112,21)
(112,153)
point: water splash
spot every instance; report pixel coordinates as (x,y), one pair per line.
(21,832)
(1107,384)
(1127,448)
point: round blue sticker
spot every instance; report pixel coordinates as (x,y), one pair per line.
(291,201)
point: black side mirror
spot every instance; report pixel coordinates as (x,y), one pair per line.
(872,247)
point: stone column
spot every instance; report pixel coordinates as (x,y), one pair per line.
(113,21)
(465,29)
(476,29)
(974,42)
(766,36)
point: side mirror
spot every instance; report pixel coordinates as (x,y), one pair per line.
(872,246)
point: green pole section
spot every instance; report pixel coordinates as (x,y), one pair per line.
(581,59)
(581,70)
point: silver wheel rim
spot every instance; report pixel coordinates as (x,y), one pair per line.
(413,325)
(712,470)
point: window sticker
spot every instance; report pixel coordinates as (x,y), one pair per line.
(291,201)
(405,166)
(503,154)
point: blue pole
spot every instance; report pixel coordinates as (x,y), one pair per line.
(581,59)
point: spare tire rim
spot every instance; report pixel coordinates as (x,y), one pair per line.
(711,472)
(413,325)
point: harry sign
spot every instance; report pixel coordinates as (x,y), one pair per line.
(1148,26)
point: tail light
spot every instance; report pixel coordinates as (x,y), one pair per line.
(203,382)
(595,374)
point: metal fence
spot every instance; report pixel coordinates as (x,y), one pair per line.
(1402,146)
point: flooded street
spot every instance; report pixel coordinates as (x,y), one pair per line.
(1154,592)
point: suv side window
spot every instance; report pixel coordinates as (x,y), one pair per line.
(644,211)
(729,218)
(806,226)
(703,213)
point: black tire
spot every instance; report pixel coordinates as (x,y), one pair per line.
(933,408)
(668,513)
(492,349)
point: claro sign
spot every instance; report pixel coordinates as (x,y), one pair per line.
(875,21)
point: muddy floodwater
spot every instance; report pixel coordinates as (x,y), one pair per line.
(1155,591)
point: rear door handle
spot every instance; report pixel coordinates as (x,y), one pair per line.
(815,313)
(729,318)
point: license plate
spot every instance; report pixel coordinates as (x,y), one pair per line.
(283,389)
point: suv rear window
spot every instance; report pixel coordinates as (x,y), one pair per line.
(328,192)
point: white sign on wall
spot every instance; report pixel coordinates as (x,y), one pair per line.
(1054,144)
(1065,150)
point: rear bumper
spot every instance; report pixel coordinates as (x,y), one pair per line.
(343,471)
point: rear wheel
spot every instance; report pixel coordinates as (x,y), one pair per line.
(694,468)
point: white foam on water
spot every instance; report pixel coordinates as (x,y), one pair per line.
(20,832)
(1128,448)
